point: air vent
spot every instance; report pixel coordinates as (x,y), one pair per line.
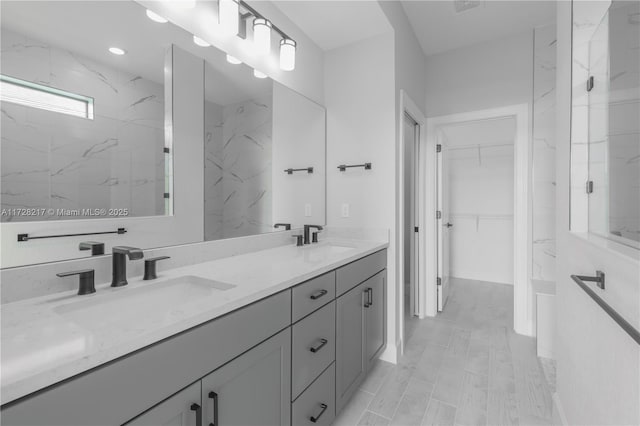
(464,5)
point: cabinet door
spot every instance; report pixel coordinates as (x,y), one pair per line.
(253,389)
(182,409)
(350,344)
(376,316)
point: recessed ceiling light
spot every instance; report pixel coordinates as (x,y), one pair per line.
(200,42)
(233,60)
(155,17)
(259,74)
(117,51)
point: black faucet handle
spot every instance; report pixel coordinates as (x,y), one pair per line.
(150,267)
(298,238)
(314,238)
(133,253)
(286,226)
(87,284)
(96,247)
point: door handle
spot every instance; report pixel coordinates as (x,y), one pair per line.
(198,409)
(323,408)
(448,224)
(214,397)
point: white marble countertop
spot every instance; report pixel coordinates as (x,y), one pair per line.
(51,338)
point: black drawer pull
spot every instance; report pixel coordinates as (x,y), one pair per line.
(214,396)
(370,293)
(316,418)
(315,349)
(318,294)
(198,409)
(367,298)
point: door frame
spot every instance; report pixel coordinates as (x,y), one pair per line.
(408,106)
(522,222)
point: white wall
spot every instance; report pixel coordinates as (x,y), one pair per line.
(598,365)
(299,135)
(482,76)
(359,95)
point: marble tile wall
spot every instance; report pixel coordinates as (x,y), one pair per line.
(544,154)
(53,160)
(238,162)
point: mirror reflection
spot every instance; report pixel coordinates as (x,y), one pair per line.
(606,129)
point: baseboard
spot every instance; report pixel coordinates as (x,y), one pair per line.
(558,417)
(391,353)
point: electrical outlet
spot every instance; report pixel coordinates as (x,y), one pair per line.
(307,210)
(345,210)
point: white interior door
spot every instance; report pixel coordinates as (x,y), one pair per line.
(443,226)
(411,129)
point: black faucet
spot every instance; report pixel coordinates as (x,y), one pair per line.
(120,254)
(307,240)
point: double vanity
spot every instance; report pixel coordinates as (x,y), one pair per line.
(275,337)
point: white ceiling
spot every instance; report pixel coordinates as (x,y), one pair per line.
(88,28)
(439,28)
(336,23)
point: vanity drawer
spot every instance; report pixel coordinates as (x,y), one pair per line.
(313,294)
(318,401)
(356,272)
(313,347)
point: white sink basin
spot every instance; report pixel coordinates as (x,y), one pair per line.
(122,307)
(334,248)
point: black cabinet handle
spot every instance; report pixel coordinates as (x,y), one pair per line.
(318,294)
(198,409)
(323,408)
(366,298)
(370,293)
(214,397)
(317,348)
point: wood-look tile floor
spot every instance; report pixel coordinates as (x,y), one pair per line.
(464,367)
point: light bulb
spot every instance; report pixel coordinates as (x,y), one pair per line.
(228,15)
(200,42)
(155,17)
(259,74)
(287,54)
(262,35)
(233,60)
(117,51)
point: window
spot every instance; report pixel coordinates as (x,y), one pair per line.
(35,95)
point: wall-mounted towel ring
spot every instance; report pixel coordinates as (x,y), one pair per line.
(307,169)
(344,167)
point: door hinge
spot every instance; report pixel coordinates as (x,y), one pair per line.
(166,150)
(439,281)
(438,148)
(590,83)
(438,214)
(416,229)
(589,187)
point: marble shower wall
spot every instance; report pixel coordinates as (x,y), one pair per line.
(53,160)
(238,162)
(544,154)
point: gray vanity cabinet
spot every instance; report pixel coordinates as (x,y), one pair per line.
(182,409)
(376,316)
(360,334)
(253,389)
(350,343)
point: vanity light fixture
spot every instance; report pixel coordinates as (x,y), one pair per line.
(155,17)
(200,42)
(233,60)
(229,16)
(117,51)
(262,35)
(287,54)
(259,74)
